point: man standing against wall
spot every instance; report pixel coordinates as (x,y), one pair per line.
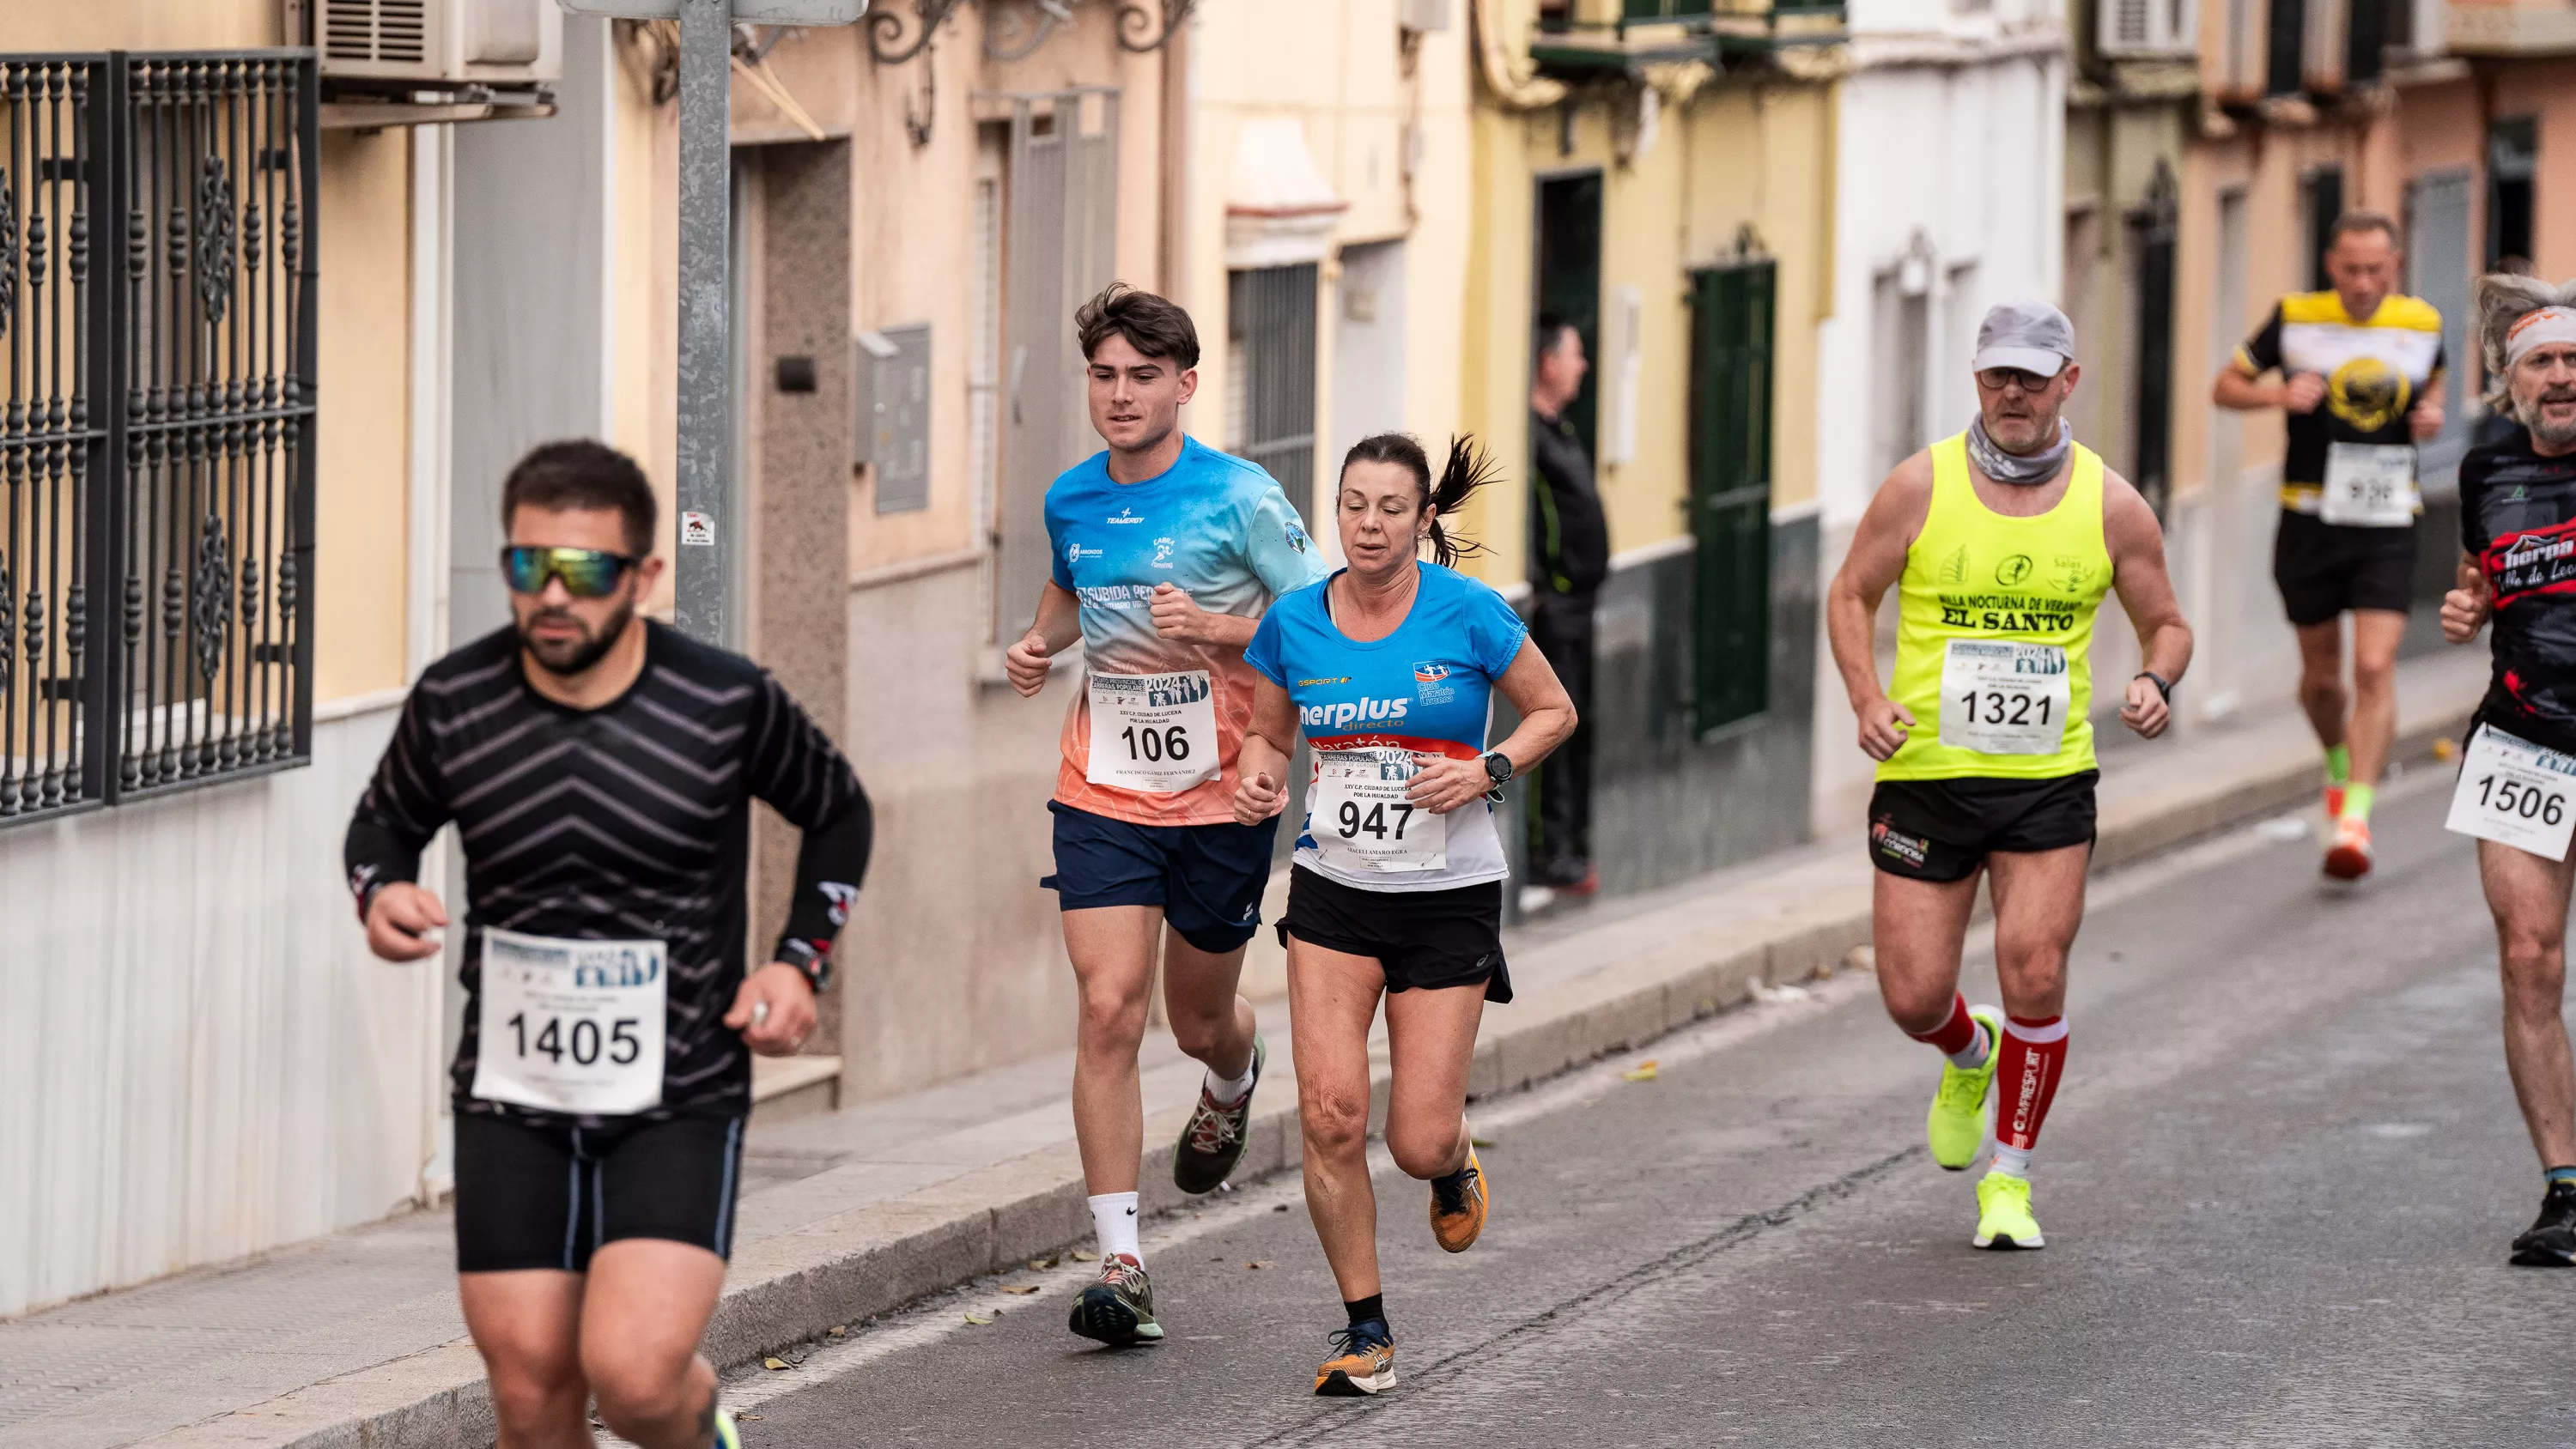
(1569,557)
(2358,366)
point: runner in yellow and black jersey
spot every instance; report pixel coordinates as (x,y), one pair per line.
(2359,371)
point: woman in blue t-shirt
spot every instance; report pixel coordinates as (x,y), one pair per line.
(1390,667)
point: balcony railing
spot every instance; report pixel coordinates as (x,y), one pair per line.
(1572,46)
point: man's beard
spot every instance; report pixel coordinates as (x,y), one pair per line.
(2548,434)
(567,660)
(2041,434)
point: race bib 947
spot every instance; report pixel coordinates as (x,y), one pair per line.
(1361,819)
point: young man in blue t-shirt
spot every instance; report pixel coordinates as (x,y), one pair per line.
(1166,553)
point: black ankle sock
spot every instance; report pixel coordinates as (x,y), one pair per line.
(1361,1311)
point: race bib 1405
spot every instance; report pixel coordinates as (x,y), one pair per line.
(571,1026)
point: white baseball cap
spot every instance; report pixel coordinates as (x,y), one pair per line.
(2032,336)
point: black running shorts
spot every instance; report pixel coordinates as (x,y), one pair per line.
(2324,569)
(1426,939)
(1941,830)
(546,1194)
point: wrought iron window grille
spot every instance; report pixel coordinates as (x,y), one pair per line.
(156,461)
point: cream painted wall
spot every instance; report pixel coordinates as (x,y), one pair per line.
(139,25)
(363,249)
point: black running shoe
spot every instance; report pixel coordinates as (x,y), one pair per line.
(2551,1240)
(1118,1308)
(1212,1142)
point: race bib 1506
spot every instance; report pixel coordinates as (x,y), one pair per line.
(2002,698)
(572,1026)
(1361,821)
(2369,485)
(1153,732)
(2515,793)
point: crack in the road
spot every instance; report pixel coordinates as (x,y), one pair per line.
(1326,1422)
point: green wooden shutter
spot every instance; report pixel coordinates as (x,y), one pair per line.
(1730,479)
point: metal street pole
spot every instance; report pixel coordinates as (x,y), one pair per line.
(701,577)
(702,573)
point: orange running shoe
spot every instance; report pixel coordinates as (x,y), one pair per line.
(2349,858)
(1458,1205)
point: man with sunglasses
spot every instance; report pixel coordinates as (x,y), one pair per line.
(599,769)
(2359,370)
(2001,542)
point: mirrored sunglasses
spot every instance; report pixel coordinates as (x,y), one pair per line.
(587,573)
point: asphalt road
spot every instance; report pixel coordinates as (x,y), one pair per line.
(2278,1187)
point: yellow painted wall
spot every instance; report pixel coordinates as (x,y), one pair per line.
(41,25)
(362,252)
(1735,155)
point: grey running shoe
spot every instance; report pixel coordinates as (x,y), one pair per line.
(1118,1309)
(1212,1143)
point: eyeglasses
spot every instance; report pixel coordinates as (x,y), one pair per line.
(1996,379)
(587,573)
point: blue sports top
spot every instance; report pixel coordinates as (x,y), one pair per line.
(1214,526)
(1427,688)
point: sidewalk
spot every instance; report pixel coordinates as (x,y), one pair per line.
(355,1339)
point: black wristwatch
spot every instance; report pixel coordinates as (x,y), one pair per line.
(1498,773)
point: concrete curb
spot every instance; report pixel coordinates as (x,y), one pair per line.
(1664,971)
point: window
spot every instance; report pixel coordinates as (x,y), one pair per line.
(1270,375)
(2437,270)
(1059,229)
(2366,39)
(2320,202)
(1900,333)
(2151,254)
(1730,482)
(2513,159)
(2282,75)
(156,531)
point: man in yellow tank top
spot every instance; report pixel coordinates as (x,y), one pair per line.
(2001,542)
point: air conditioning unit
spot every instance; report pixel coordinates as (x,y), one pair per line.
(2147,29)
(436,43)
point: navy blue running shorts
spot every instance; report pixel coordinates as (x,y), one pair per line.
(1207,878)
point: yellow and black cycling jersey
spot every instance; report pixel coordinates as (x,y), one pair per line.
(2376,369)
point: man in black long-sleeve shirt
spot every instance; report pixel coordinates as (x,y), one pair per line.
(599,769)
(1569,557)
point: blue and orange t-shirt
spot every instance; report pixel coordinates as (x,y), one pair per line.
(1212,525)
(1427,688)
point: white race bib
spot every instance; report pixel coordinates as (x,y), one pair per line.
(1361,821)
(2002,698)
(2515,793)
(572,1026)
(1153,732)
(2369,485)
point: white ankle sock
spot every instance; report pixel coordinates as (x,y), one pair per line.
(1974,1054)
(1229,1091)
(1113,1217)
(2013,1161)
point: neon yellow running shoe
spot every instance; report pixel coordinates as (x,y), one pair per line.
(1958,1126)
(2003,1214)
(727,1436)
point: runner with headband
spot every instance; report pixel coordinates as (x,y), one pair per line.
(2517,785)
(1390,667)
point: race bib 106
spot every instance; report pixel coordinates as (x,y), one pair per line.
(2515,793)
(2003,698)
(1153,732)
(1360,819)
(571,1026)
(2369,485)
